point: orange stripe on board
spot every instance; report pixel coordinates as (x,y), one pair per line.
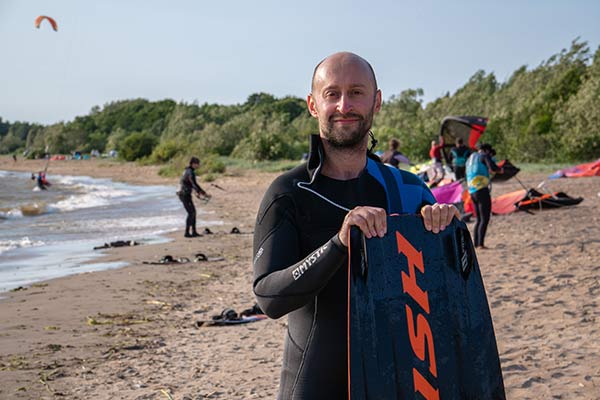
(348,314)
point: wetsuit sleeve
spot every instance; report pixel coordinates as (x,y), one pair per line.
(192,179)
(284,279)
(490,164)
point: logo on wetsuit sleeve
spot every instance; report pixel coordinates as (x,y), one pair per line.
(308,261)
(258,254)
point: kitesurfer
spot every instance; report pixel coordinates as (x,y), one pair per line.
(189,185)
(479,167)
(302,227)
(41,181)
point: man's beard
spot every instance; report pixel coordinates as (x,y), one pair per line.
(347,138)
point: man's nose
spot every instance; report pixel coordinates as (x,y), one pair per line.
(344,104)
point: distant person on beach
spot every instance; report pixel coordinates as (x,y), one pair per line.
(301,232)
(393,156)
(460,153)
(14,157)
(189,185)
(479,167)
(435,153)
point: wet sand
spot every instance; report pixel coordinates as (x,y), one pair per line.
(131,333)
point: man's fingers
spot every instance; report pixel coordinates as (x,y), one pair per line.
(426,214)
(372,221)
(437,217)
(443,217)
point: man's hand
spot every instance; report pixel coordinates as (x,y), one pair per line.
(438,216)
(372,221)
(203,196)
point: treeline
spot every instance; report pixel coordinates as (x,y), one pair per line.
(548,113)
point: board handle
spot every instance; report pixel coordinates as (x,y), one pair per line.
(464,250)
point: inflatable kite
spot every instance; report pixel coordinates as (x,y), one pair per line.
(52,22)
(468,128)
(579,171)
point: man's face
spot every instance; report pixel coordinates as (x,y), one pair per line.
(344,100)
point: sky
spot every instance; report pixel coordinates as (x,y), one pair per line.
(223,51)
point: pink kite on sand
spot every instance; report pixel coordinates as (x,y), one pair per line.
(448,194)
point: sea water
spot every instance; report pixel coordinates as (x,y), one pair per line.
(51,233)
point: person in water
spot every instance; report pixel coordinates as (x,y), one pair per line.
(41,181)
(301,231)
(189,185)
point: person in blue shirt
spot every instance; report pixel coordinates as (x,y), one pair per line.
(460,154)
(479,167)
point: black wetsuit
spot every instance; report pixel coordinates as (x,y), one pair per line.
(299,267)
(189,184)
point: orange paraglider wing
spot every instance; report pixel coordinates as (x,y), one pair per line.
(39,20)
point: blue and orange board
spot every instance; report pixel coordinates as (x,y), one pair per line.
(419,324)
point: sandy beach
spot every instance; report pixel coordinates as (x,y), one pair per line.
(131,333)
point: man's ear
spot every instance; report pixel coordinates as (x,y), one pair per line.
(377,101)
(312,107)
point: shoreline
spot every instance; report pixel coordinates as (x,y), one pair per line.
(130,333)
(61,256)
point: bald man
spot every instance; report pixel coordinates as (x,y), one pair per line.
(301,232)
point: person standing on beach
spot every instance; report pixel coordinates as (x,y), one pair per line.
(460,153)
(435,153)
(393,156)
(189,185)
(301,231)
(479,167)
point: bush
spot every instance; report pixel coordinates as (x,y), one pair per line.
(166,151)
(137,145)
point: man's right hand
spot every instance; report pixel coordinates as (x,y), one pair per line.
(372,221)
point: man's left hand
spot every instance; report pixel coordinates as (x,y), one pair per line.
(438,216)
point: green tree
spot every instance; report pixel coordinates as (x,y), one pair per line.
(137,145)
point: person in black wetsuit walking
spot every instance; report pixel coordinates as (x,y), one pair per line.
(189,184)
(301,231)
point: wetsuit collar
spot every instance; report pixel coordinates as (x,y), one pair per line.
(316,156)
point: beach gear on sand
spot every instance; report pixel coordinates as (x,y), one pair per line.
(230,317)
(419,320)
(579,171)
(118,243)
(168,259)
(235,230)
(202,257)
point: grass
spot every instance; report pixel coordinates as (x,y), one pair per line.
(265,166)
(233,166)
(548,168)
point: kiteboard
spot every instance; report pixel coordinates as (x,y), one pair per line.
(419,325)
